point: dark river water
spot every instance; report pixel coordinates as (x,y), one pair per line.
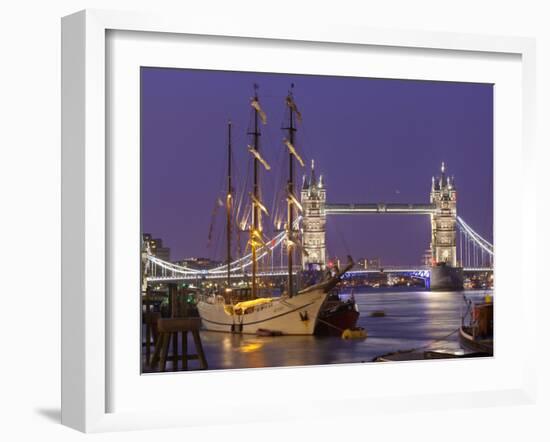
(412,319)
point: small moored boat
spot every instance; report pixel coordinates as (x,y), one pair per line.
(337,315)
(477,335)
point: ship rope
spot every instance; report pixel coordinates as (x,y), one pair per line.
(341,330)
(217,203)
(342,238)
(431,343)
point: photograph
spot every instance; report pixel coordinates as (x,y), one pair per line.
(236,221)
(295,220)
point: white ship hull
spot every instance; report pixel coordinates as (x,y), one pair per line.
(288,316)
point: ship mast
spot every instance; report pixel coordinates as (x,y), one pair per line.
(228,204)
(291,198)
(290,212)
(256,236)
(255,227)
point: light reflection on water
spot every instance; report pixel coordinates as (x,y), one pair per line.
(412,319)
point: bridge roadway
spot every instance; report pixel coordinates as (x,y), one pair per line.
(383,208)
(283,272)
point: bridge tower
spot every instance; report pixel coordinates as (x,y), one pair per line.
(443,220)
(313,199)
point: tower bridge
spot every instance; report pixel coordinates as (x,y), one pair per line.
(442,210)
(455,246)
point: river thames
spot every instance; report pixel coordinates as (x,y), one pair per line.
(413,319)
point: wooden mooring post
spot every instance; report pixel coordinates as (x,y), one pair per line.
(169,330)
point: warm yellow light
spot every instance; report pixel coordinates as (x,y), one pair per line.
(253,346)
(259,204)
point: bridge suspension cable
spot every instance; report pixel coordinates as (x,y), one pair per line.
(476,237)
(474,250)
(234,266)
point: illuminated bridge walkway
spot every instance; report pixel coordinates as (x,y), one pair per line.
(161,275)
(397,209)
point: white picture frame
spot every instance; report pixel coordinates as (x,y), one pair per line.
(86,316)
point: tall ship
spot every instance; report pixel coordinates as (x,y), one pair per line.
(243,310)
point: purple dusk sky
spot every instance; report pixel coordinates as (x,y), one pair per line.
(374,140)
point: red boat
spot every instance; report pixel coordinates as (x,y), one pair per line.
(336,316)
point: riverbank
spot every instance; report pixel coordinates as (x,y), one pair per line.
(412,319)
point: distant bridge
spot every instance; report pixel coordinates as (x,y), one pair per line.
(422,272)
(469,250)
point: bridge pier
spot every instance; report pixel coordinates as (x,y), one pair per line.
(445,274)
(443,219)
(313,199)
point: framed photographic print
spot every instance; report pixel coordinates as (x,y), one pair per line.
(251,213)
